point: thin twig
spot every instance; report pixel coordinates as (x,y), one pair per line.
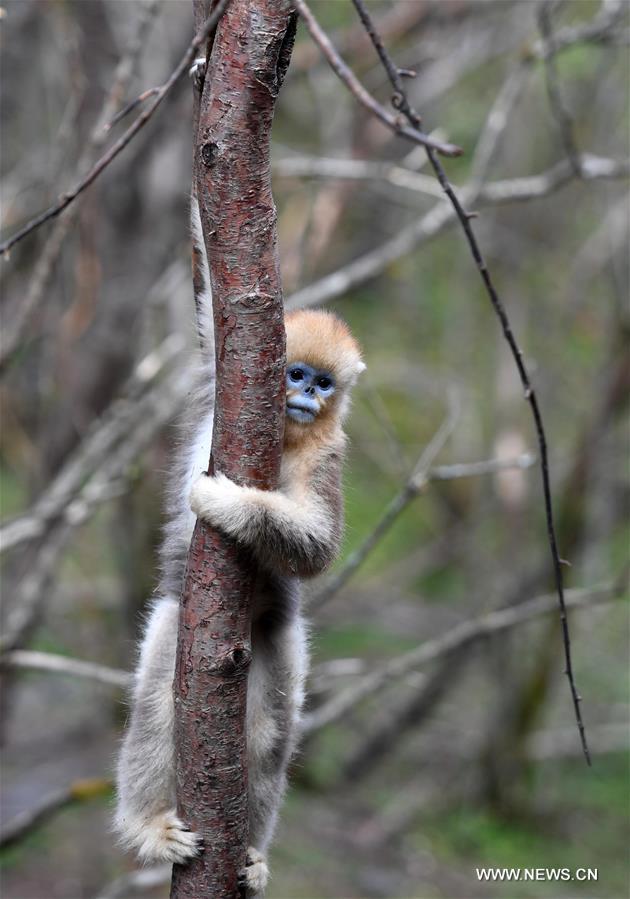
(495,124)
(355,169)
(559,111)
(102,163)
(600,30)
(396,507)
(150,92)
(401,102)
(362,95)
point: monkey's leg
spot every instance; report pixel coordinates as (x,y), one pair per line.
(275,696)
(146,817)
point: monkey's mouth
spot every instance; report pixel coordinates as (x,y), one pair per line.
(303,414)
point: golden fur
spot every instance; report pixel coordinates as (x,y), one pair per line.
(323,340)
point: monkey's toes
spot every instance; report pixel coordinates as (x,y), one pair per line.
(255,874)
(167,839)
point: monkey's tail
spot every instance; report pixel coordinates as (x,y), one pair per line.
(203,291)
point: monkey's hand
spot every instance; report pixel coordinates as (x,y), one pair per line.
(164,838)
(221,502)
(255,874)
(287,535)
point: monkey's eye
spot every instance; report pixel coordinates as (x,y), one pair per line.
(325,383)
(296,374)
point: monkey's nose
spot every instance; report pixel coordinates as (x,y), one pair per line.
(309,391)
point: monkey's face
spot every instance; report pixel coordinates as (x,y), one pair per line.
(309,391)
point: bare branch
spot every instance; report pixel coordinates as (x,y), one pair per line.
(101,164)
(78,791)
(150,415)
(356,170)
(375,262)
(13,330)
(464,217)
(532,187)
(420,477)
(57,664)
(441,216)
(600,29)
(465,634)
(558,108)
(495,125)
(473,469)
(399,20)
(397,505)
(125,414)
(362,95)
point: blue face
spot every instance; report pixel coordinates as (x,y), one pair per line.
(308,389)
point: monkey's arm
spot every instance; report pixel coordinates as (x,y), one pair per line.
(296,534)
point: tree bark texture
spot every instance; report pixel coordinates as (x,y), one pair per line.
(250,54)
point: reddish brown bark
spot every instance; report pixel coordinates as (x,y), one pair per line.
(249,57)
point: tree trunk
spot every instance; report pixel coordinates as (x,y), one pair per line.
(250,54)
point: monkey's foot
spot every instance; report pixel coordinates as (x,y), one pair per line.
(165,838)
(255,874)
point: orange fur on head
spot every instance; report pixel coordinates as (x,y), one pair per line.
(324,341)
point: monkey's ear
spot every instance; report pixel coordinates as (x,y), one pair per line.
(361,366)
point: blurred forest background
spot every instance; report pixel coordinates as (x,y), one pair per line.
(466,752)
